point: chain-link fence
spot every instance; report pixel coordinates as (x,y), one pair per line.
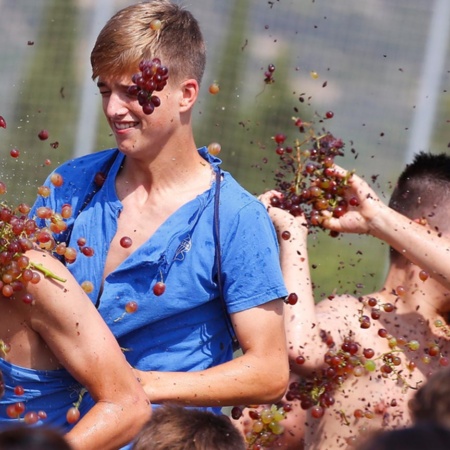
(381,66)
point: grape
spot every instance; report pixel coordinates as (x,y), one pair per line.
(126,242)
(73,415)
(2,122)
(268,74)
(285,235)
(291,299)
(423,275)
(87,286)
(87,251)
(31,418)
(236,412)
(152,77)
(43,135)
(155,25)
(159,288)
(131,307)
(56,179)
(19,390)
(214,148)
(214,88)
(14,153)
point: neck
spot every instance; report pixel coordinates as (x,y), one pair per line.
(411,294)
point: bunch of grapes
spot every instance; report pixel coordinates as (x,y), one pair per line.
(20,233)
(316,391)
(306,176)
(152,77)
(265,427)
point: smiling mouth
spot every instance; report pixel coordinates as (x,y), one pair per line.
(124,126)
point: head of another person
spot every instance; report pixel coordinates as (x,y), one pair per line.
(176,428)
(23,437)
(432,400)
(131,36)
(424,436)
(422,192)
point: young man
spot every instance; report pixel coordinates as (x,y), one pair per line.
(411,310)
(53,348)
(162,194)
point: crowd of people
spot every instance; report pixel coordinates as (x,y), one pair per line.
(187,264)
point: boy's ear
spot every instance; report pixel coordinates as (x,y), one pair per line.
(189,90)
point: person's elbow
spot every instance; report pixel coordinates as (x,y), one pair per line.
(276,382)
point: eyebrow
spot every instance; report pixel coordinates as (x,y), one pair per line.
(101,84)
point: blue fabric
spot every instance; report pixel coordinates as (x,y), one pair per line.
(185,329)
(53,391)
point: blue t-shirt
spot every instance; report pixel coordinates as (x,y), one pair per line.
(186,328)
(50,391)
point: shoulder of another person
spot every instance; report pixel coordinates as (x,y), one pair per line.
(338,309)
(341,317)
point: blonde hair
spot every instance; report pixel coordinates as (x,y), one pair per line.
(127,39)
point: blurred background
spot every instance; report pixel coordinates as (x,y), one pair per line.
(381,66)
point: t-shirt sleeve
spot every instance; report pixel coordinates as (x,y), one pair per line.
(250,260)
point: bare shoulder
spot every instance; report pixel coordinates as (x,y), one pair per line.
(342,316)
(344,309)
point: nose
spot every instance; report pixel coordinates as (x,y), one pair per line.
(114,105)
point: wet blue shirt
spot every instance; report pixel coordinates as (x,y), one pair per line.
(51,391)
(184,329)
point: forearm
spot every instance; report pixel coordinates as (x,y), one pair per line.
(302,329)
(248,379)
(109,425)
(418,243)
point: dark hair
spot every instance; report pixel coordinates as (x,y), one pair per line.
(23,437)
(422,192)
(432,400)
(173,427)
(421,436)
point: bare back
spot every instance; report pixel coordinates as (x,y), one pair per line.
(373,400)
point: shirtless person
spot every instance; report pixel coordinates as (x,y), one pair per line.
(51,350)
(416,226)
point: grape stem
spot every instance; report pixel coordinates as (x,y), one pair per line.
(80,398)
(47,273)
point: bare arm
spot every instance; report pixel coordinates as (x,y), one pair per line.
(69,324)
(420,244)
(302,329)
(260,375)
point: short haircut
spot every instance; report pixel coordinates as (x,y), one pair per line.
(174,427)
(432,400)
(427,435)
(127,39)
(422,192)
(20,436)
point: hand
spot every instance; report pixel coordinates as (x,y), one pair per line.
(282,219)
(363,207)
